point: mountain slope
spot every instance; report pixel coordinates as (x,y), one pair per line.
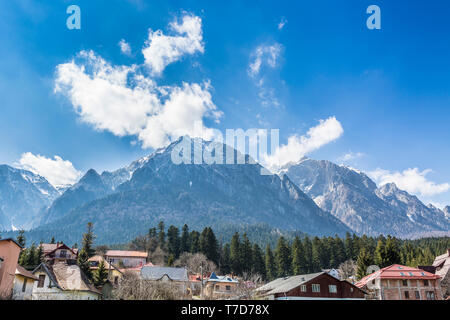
(355,199)
(199,195)
(23,195)
(90,187)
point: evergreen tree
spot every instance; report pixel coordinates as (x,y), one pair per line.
(319,255)
(298,257)
(39,255)
(173,242)
(87,251)
(283,258)
(246,254)
(258,264)
(161,235)
(339,251)
(53,240)
(307,247)
(235,254)
(185,244)
(100,275)
(271,269)
(380,253)
(195,241)
(392,251)
(21,240)
(363,262)
(225,259)
(349,248)
(209,245)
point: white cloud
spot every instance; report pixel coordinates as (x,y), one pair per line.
(350,156)
(325,132)
(411,180)
(282,23)
(161,50)
(125,47)
(264,55)
(57,171)
(124,101)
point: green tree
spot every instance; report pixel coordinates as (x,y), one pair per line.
(21,240)
(161,234)
(185,244)
(173,242)
(195,241)
(307,247)
(235,254)
(53,240)
(298,257)
(363,262)
(258,264)
(283,258)
(225,259)
(380,253)
(87,251)
(271,269)
(246,254)
(100,275)
(209,245)
(392,251)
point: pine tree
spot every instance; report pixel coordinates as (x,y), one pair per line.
(173,242)
(235,254)
(307,247)
(31,257)
(185,244)
(271,269)
(100,275)
(209,245)
(349,247)
(225,260)
(21,240)
(298,257)
(87,251)
(161,235)
(283,258)
(319,255)
(392,251)
(53,240)
(39,255)
(380,253)
(195,241)
(246,254)
(363,262)
(339,251)
(258,264)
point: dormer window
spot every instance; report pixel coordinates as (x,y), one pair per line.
(63,253)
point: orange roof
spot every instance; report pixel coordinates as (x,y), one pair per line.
(399,272)
(121,253)
(138,268)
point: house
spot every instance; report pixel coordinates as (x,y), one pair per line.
(178,276)
(314,286)
(136,270)
(127,259)
(220,286)
(59,252)
(62,280)
(23,284)
(398,282)
(114,274)
(9,255)
(332,272)
(441,267)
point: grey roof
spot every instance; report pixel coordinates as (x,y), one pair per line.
(286,284)
(156,273)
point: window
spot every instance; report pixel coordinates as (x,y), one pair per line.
(217,287)
(228,288)
(425,283)
(430,295)
(332,288)
(62,253)
(41,280)
(351,289)
(24,287)
(406,294)
(303,288)
(417,295)
(405,283)
(315,287)
(116,280)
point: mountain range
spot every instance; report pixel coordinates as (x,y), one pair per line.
(314,197)
(351,196)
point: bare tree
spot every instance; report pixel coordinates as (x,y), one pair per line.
(247,285)
(193,262)
(347,269)
(131,287)
(158,257)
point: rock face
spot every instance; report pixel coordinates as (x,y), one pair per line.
(23,195)
(197,194)
(354,198)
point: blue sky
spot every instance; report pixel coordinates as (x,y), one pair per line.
(388,89)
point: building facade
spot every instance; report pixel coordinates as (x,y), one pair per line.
(127,259)
(9,255)
(23,284)
(398,282)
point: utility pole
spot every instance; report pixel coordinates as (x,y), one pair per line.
(201,280)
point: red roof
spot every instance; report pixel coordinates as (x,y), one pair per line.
(399,272)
